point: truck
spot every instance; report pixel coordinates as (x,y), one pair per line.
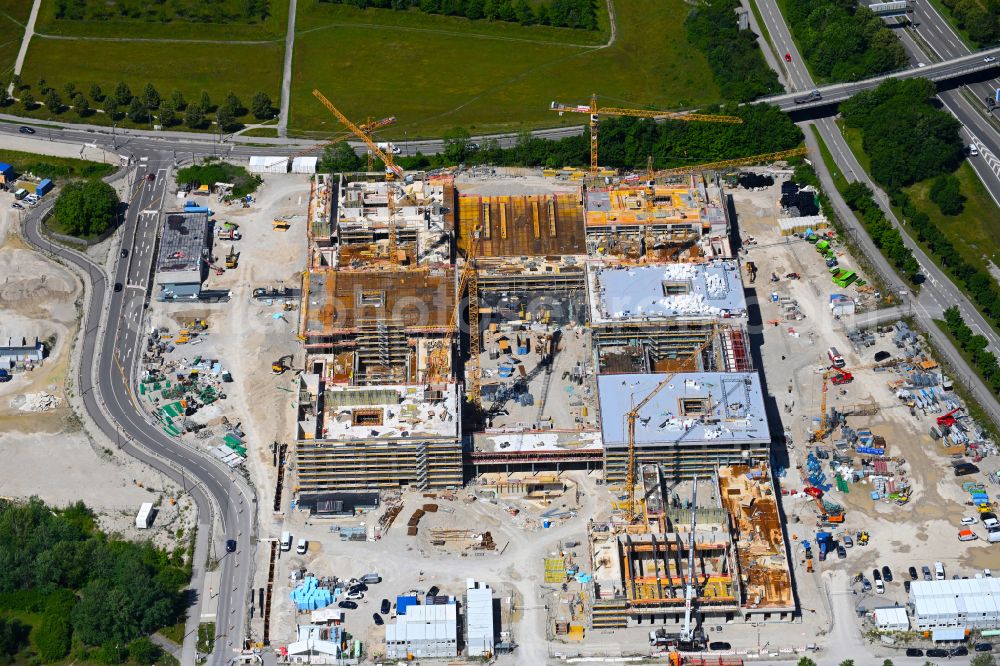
(813,96)
(144,519)
(835,358)
(286,541)
(228,231)
(43,187)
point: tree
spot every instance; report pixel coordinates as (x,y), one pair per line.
(806,661)
(225,118)
(13,636)
(261,105)
(5,97)
(194,117)
(143,651)
(69,90)
(16,82)
(81,105)
(137,112)
(87,208)
(150,97)
(887,662)
(456,145)
(474,10)
(28,101)
(123,94)
(42,86)
(96,93)
(947,194)
(53,101)
(168,116)
(847,662)
(111,107)
(340,158)
(205,102)
(234,105)
(177,99)
(984,659)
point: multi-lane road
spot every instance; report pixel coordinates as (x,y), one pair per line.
(938,292)
(113,340)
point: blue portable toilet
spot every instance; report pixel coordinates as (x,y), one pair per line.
(6,173)
(43,187)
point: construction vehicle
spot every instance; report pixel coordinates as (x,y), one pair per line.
(469,281)
(232,258)
(282,364)
(691,638)
(228,231)
(840,376)
(948,419)
(280,224)
(595,112)
(752,271)
(219,270)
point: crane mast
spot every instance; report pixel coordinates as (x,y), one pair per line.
(687,634)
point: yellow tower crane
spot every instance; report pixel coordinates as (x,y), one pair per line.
(740,161)
(469,282)
(596,112)
(392,171)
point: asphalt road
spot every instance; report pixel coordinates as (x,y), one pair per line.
(113,340)
(938,292)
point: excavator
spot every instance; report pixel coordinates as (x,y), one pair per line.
(282,364)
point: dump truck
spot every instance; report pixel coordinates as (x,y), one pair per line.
(280,224)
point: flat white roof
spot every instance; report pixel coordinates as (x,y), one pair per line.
(944,598)
(405,411)
(892,616)
(665,291)
(268,164)
(437,622)
(694,407)
(479,618)
(304,164)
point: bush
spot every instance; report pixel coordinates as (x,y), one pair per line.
(946,193)
(87,208)
(144,652)
(211,172)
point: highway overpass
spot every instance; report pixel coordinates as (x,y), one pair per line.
(939,71)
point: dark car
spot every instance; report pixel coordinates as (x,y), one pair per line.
(960,651)
(358,587)
(983,647)
(720,646)
(378,619)
(882,356)
(231,545)
(124,252)
(866,585)
(349,605)
(914,652)
(118,286)
(25,130)
(385,607)
(937,652)
(906,586)
(841,552)
(887,574)
(876,575)
(433,591)
(913,573)
(150,177)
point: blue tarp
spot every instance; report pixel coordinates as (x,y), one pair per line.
(309,596)
(402,603)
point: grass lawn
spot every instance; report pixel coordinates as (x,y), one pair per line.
(261,131)
(272,28)
(189,68)
(975,232)
(446,72)
(174,632)
(839,181)
(852,136)
(13,17)
(56,168)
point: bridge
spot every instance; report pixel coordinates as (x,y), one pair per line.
(939,71)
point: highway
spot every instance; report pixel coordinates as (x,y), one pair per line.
(938,292)
(113,340)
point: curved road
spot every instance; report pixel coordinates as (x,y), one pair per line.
(112,346)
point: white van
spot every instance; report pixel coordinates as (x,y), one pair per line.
(938,571)
(286,541)
(302,547)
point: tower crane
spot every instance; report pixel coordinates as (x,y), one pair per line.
(596,112)
(369,128)
(469,282)
(392,171)
(741,161)
(687,632)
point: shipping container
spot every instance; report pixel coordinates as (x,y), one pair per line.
(44,187)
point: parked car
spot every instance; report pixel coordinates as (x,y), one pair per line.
(25,130)
(913,573)
(349,605)
(848,541)
(720,646)
(17,206)
(866,585)
(906,586)
(378,619)
(385,607)
(968,520)
(960,651)
(356,594)
(926,570)
(231,545)
(876,574)
(914,652)
(983,647)
(879,587)
(433,591)
(887,574)
(937,652)
(987,573)
(841,552)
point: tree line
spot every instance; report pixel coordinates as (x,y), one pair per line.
(578,14)
(842,40)
(148,106)
(984,361)
(737,63)
(980,19)
(886,237)
(217,11)
(626,143)
(98,597)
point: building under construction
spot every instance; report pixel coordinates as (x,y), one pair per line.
(740,569)
(693,424)
(686,221)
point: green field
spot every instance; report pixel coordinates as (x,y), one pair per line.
(435,73)
(56,168)
(13,16)
(189,68)
(975,232)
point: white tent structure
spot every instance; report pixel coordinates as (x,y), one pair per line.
(268,164)
(304,164)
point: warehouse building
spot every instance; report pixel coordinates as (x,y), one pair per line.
(969,603)
(423,632)
(692,424)
(184,252)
